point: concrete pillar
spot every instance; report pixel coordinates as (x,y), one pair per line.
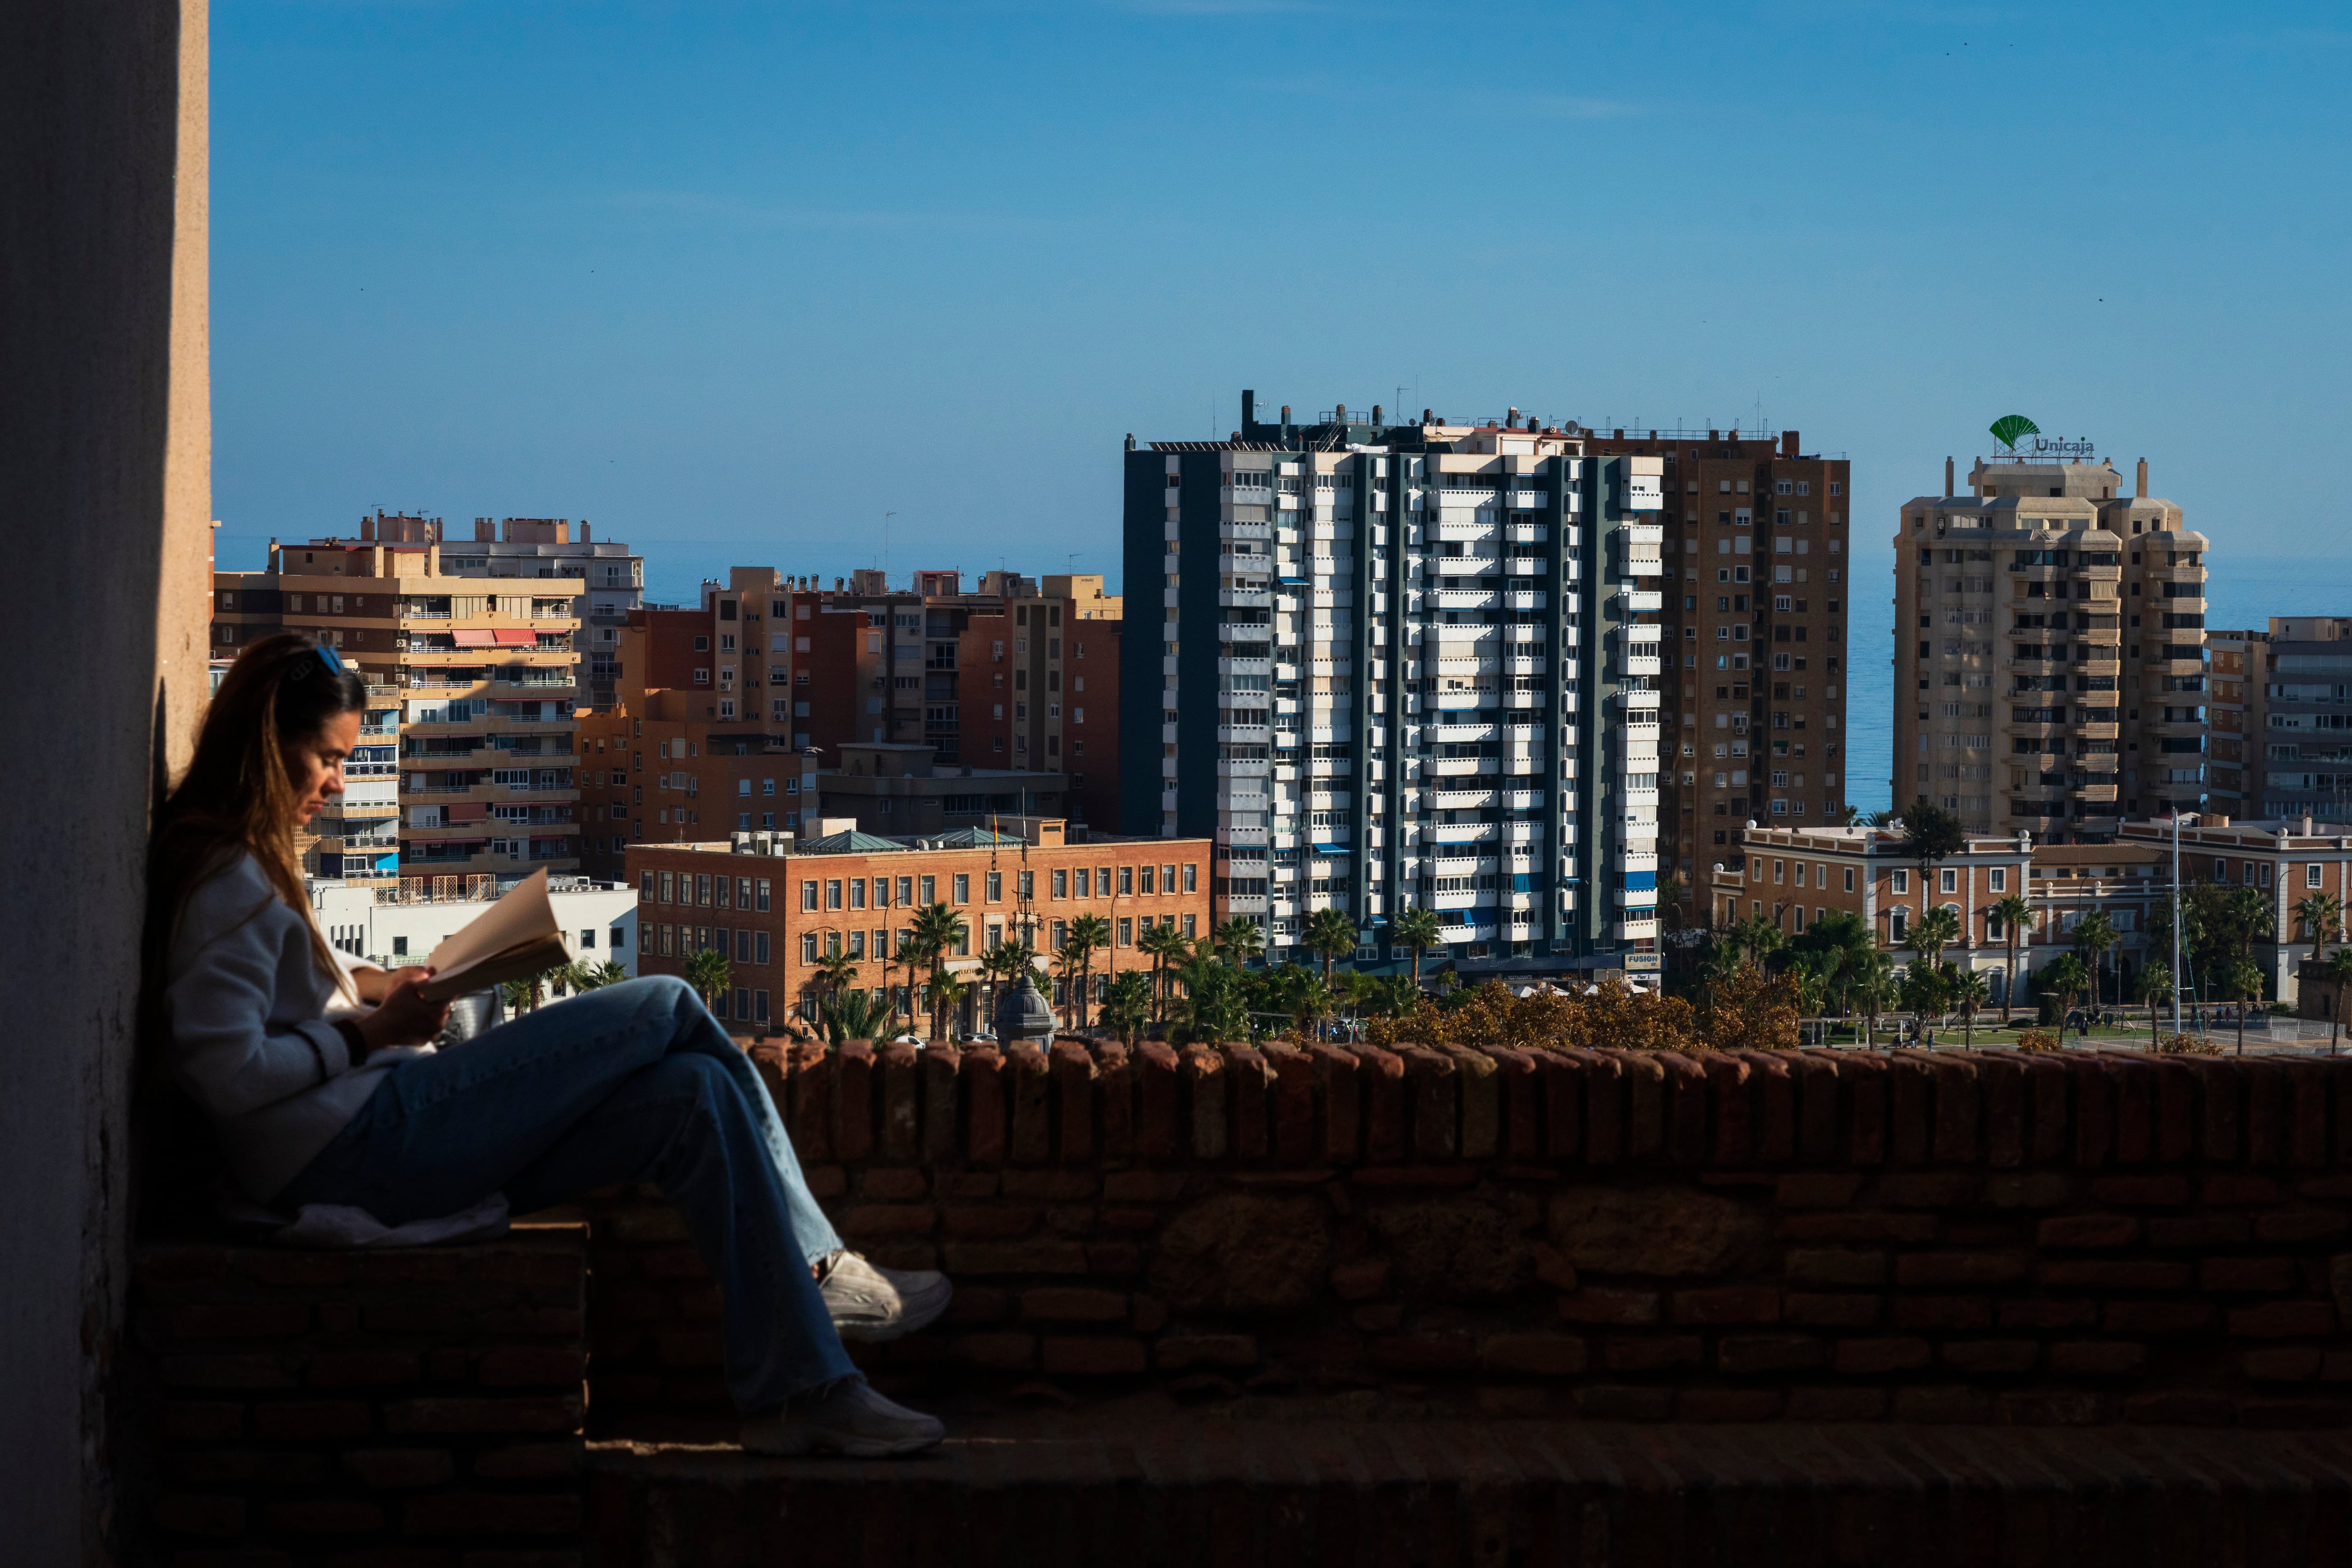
(106,477)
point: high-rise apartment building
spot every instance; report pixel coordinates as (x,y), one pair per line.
(612,577)
(1405,665)
(2283,719)
(1757,666)
(485,686)
(2049,650)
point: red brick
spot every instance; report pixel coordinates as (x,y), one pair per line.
(408,1416)
(2057,1407)
(1174,1353)
(995,1221)
(1619,1307)
(1132,1219)
(1553,1268)
(2289,1364)
(1728,1304)
(979,1304)
(1652,1354)
(2238,1190)
(2336,1367)
(492,1513)
(195,1421)
(1941,1312)
(389,1470)
(2031,1190)
(1052,1186)
(1114,1258)
(1072,1304)
(969,1184)
(1360,1279)
(339,1317)
(194,1513)
(1005,1353)
(2097,1358)
(1424,1353)
(1831,1311)
(529,1462)
(1536,1355)
(1727,1404)
(1378,1317)
(225,1371)
(413,1265)
(1088,1357)
(1987,1358)
(312,1421)
(2284,1320)
(2103,1274)
(1016,1257)
(2045,1314)
(1414,1175)
(2293,1225)
(1930,1189)
(894,1184)
(2140,1192)
(1933,1269)
(2293,1414)
(1750,1354)
(1941,1406)
(1835,1266)
(2198,1230)
(1863,1358)
(2088,1230)
(241,1320)
(161,1267)
(826,1181)
(1865,1228)
(2248,1274)
(1144,1187)
(2179,1409)
(323,1516)
(518,1366)
(889,1219)
(2159,1317)
(1836,1403)
(445,1365)
(1149,1315)
(302,1270)
(1617,1404)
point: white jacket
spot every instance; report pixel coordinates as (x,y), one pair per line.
(252,1037)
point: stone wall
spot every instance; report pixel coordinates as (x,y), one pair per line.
(419,1407)
(2089,1237)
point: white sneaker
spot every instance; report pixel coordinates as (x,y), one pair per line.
(873,1304)
(851,1420)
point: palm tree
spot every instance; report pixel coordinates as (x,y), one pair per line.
(855,1015)
(1163,946)
(1971,993)
(1873,986)
(1417,928)
(1088,934)
(1330,933)
(2066,976)
(1305,996)
(2155,982)
(1004,963)
(2250,914)
(2322,915)
(1937,928)
(1127,1002)
(2094,935)
(2015,915)
(2339,971)
(1071,959)
(709,972)
(1759,936)
(947,992)
(2243,981)
(1241,937)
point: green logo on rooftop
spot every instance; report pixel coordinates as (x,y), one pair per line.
(2009,426)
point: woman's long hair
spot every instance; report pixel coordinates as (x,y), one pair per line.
(238,795)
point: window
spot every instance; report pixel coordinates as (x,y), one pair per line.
(1849,878)
(1061,891)
(1149,877)
(1192,885)
(759,895)
(617,938)
(1126,881)
(1126,932)
(1998,879)
(930,890)
(808,947)
(669,895)
(587,939)
(833,893)
(1948,880)
(2310,874)
(1902,882)
(995,888)
(960,885)
(646,887)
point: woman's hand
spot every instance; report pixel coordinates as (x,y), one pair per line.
(404,1019)
(372,985)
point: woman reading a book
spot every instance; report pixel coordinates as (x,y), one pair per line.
(316,1072)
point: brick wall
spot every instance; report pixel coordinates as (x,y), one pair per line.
(420,1408)
(1811,1236)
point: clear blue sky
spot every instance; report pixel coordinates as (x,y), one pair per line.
(734,281)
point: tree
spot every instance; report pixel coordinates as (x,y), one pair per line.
(1420,930)
(2322,915)
(1330,933)
(855,1015)
(1935,929)
(947,992)
(1758,937)
(709,972)
(1165,947)
(2339,971)
(2154,984)
(2015,915)
(1005,964)
(1970,993)
(1127,1002)
(1931,834)
(835,973)
(2063,976)
(2243,981)
(1240,938)
(1071,960)
(1927,987)
(587,974)
(1306,996)
(1754,1011)
(1215,1006)
(1089,935)
(2094,935)
(1874,987)
(939,930)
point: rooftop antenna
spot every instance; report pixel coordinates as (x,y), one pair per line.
(885,549)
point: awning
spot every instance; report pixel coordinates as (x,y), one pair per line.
(1333,849)
(516,639)
(465,638)
(465,811)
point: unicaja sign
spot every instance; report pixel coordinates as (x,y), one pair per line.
(2011,430)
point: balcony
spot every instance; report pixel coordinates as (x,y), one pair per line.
(1638,601)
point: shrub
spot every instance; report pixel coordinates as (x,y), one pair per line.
(2036,1040)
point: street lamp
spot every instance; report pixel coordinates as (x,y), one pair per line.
(2177,816)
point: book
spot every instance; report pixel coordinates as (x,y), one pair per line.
(514,938)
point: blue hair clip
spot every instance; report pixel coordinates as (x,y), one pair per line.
(331,660)
(325,659)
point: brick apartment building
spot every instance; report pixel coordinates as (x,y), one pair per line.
(776,914)
(480,686)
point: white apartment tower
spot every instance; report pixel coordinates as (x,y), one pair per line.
(1404,665)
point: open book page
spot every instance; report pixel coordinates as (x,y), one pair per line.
(514,938)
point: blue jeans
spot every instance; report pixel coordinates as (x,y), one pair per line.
(634,1082)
